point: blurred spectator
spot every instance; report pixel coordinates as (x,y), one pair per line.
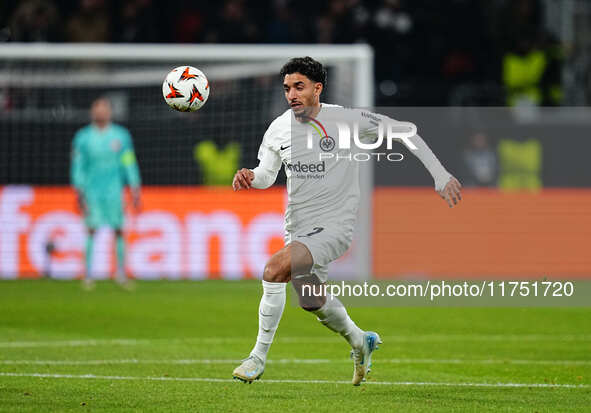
(91,23)
(424,50)
(136,22)
(390,16)
(233,25)
(217,166)
(35,21)
(515,18)
(532,72)
(391,33)
(337,23)
(520,163)
(189,23)
(480,162)
(286,24)
(459,62)
(467,48)
(531,58)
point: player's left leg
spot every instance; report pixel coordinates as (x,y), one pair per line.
(328,309)
(325,246)
(115,218)
(120,275)
(332,313)
(87,281)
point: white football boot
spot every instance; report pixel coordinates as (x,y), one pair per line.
(123,281)
(362,356)
(251,369)
(87,284)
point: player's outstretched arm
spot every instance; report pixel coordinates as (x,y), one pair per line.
(446,185)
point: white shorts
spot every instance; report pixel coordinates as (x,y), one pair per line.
(326,242)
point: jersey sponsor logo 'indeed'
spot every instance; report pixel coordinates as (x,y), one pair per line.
(303,167)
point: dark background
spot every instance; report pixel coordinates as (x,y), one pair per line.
(427,48)
(427,53)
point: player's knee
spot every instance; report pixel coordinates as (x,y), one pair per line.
(310,291)
(311,303)
(274,272)
(91,231)
(118,232)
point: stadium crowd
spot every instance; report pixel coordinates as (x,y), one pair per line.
(431,46)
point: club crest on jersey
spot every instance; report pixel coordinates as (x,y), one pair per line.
(115,145)
(348,134)
(327,143)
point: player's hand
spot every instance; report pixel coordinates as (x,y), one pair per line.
(452,192)
(136,199)
(242,179)
(81,202)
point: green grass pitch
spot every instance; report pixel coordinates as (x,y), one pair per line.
(172,346)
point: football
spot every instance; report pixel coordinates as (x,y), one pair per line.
(185,89)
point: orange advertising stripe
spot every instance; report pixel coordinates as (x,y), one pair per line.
(489,234)
(193,232)
(203,232)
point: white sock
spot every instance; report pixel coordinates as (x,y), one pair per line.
(270,311)
(334,316)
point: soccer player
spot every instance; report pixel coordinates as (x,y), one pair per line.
(323,199)
(103,162)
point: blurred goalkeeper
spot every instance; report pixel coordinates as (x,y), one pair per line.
(103,162)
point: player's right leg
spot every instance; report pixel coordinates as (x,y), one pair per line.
(113,217)
(276,275)
(87,281)
(120,275)
(333,314)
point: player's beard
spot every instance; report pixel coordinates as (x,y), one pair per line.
(303,113)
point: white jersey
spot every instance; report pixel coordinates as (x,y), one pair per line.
(322,176)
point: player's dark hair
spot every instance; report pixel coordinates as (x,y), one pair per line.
(101,99)
(306,66)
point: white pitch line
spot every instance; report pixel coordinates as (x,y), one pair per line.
(217,380)
(293,361)
(164,361)
(73,343)
(487,361)
(462,337)
(309,339)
